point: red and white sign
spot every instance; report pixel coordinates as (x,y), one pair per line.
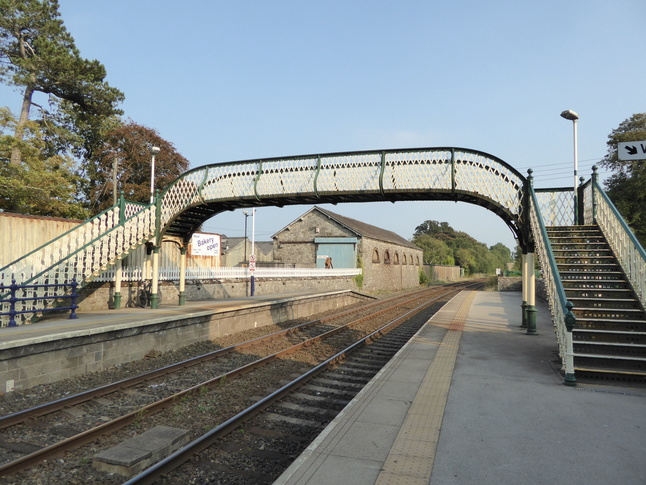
(252,262)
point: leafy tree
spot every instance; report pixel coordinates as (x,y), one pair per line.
(435,251)
(626,187)
(42,184)
(129,144)
(37,54)
(444,245)
(434,228)
(467,260)
(501,255)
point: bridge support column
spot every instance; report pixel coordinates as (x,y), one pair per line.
(182,275)
(531,295)
(523,269)
(118,276)
(154,298)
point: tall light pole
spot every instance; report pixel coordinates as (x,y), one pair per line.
(568,114)
(246,215)
(253,248)
(153,151)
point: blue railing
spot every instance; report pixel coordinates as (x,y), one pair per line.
(13,299)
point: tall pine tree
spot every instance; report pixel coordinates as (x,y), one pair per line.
(37,54)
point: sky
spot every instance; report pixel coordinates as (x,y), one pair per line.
(226,81)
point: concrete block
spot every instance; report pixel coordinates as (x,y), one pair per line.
(138,453)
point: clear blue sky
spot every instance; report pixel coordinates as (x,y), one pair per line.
(236,80)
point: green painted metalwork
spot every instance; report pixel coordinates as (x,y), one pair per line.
(625,246)
(555,291)
(256,179)
(316,175)
(444,173)
(381,173)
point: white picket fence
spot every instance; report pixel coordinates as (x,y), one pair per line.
(172,274)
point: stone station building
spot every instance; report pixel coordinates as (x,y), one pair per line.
(389,261)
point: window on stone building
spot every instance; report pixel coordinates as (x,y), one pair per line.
(375,256)
(387,257)
(405,260)
(396,257)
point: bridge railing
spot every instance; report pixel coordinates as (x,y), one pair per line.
(371,174)
(82,253)
(556,206)
(560,309)
(625,246)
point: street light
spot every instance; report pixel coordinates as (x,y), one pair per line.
(153,151)
(568,114)
(246,215)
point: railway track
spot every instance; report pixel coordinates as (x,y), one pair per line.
(90,418)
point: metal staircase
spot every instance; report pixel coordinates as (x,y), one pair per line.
(609,338)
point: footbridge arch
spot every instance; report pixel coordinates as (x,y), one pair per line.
(445,173)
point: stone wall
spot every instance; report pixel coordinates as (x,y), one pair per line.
(514,283)
(387,266)
(295,247)
(394,267)
(26,364)
(100,296)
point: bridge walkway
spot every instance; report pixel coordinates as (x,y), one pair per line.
(473,399)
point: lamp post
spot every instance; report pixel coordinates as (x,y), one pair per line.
(253,248)
(246,215)
(568,114)
(153,151)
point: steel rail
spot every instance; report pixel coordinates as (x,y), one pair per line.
(53,406)
(90,435)
(175,460)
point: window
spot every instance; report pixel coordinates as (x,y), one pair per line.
(375,256)
(387,257)
(396,257)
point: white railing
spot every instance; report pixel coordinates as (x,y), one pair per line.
(624,244)
(220,273)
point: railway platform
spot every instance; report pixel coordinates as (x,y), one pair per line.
(472,399)
(61,348)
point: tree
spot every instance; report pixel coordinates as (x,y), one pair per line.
(435,251)
(444,245)
(434,228)
(129,144)
(626,187)
(42,184)
(39,55)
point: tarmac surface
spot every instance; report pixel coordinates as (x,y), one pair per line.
(472,399)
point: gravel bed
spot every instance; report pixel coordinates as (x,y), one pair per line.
(204,411)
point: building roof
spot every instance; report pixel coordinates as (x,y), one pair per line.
(361,229)
(265,246)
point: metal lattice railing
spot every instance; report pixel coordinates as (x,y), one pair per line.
(551,277)
(556,206)
(383,175)
(624,244)
(80,254)
(447,170)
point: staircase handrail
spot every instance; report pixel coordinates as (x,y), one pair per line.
(560,308)
(625,246)
(89,259)
(45,255)
(119,246)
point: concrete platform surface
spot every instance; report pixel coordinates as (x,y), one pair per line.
(472,399)
(90,322)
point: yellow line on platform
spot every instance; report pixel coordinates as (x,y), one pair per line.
(411,457)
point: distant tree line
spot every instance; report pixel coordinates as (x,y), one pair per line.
(444,245)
